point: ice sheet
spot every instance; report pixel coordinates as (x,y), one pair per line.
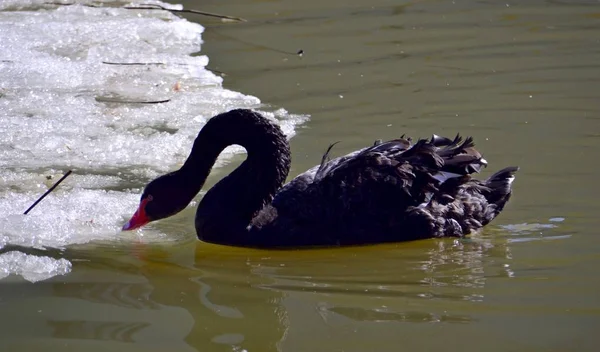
(67,101)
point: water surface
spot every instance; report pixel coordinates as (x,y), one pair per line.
(521,78)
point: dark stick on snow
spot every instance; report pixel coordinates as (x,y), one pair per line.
(133,63)
(158,7)
(221,73)
(148,102)
(48,191)
(116,101)
(159,63)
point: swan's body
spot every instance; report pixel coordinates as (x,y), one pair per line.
(393,191)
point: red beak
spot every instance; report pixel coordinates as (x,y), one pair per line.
(139,218)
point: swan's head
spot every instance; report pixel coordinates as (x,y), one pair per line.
(163,197)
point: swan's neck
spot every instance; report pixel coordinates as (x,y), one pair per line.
(227,209)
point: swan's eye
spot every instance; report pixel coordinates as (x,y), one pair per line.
(149,198)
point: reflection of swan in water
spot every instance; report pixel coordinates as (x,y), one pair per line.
(196,297)
(384,314)
(417,283)
(146,294)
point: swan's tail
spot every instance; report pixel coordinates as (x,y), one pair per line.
(499,185)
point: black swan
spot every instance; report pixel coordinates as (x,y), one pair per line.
(390,192)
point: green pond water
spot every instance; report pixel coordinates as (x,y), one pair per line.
(522,77)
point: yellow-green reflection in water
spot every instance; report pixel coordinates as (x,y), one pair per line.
(484,291)
(195,296)
(521,77)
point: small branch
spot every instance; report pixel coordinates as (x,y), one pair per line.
(299,53)
(155,7)
(157,64)
(158,7)
(108,100)
(221,73)
(48,191)
(148,102)
(70,3)
(133,63)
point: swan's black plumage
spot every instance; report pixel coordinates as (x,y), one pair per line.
(392,191)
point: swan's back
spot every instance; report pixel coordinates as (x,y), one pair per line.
(392,191)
